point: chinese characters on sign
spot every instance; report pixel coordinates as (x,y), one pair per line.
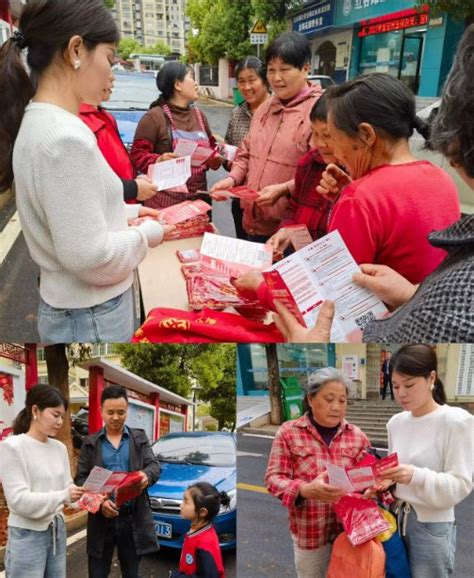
(392,25)
(320,16)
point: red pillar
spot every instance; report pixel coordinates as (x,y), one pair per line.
(5,13)
(96,387)
(155,400)
(184,411)
(31,368)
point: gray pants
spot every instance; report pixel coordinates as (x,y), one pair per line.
(312,563)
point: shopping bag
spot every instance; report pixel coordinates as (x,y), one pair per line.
(364,561)
(360,518)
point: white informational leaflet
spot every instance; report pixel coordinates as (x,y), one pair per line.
(324,270)
(338,477)
(185,148)
(234,256)
(102,481)
(172,173)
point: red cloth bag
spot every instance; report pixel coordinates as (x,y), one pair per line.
(207,326)
(360,518)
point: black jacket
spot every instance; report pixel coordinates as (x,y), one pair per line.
(141,458)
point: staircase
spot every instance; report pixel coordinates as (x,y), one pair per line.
(372,418)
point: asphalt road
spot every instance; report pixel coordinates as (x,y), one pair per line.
(264,543)
(155,566)
(19,275)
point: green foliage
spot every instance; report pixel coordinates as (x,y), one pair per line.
(109,3)
(459,9)
(129,46)
(223,27)
(275,10)
(178,367)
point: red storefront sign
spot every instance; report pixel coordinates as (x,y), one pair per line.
(13,352)
(396,21)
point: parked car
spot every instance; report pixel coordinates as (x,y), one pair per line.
(321,80)
(131,97)
(187,458)
(417,144)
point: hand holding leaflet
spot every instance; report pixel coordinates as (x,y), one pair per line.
(323,271)
(359,478)
(170,174)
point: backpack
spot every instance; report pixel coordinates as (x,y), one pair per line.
(364,561)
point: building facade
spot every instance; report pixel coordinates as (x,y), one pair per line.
(350,38)
(150,21)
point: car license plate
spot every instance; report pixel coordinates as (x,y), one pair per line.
(163,530)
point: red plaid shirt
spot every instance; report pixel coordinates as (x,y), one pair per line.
(297,457)
(306,206)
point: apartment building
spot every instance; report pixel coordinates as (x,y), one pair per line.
(150,21)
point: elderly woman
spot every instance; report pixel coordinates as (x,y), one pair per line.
(279,136)
(441,308)
(296,470)
(253,86)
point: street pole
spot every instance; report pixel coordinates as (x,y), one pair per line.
(194,409)
(258,51)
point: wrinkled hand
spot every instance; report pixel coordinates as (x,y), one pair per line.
(381,487)
(108,509)
(146,188)
(320,490)
(401,474)
(270,194)
(166,157)
(279,242)
(295,333)
(389,286)
(213,162)
(75,492)
(248,282)
(222,185)
(332,181)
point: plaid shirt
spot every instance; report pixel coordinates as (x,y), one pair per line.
(297,457)
(306,206)
(239,125)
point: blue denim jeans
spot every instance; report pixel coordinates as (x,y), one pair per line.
(33,554)
(109,322)
(431,547)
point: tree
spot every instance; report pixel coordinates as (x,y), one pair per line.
(223,30)
(459,9)
(109,3)
(179,367)
(58,358)
(274,388)
(129,46)
(275,14)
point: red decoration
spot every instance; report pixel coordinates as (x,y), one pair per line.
(6,382)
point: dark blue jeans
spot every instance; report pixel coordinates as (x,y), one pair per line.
(120,534)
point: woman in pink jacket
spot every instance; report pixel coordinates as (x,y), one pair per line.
(279,136)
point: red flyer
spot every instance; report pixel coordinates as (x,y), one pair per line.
(299,236)
(188,255)
(183,211)
(241,192)
(280,291)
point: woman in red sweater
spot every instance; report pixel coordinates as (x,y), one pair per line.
(392,201)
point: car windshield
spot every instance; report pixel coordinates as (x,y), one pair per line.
(133,91)
(206,450)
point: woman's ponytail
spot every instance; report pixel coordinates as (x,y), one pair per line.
(16,90)
(422,127)
(22,421)
(224,499)
(439,395)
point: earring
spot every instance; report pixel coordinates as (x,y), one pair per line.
(35,417)
(432,387)
(77,64)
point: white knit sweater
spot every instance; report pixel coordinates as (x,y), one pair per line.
(440,446)
(72,213)
(35,477)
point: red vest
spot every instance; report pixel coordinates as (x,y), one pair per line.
(104,126)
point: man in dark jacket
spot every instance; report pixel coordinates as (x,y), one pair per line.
(387,376)
(118,447)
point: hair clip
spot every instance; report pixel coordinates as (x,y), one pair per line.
(19,40)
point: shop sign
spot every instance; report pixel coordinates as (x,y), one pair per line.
(393,25)
(349,12)
(315,18)
(13,352)
(170,406)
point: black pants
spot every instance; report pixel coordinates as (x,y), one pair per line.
(120,534)
(238,213)
(387,382)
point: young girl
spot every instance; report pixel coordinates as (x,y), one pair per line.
(69,200)
(36,479)
(201,555)
(171,118)
(434,446)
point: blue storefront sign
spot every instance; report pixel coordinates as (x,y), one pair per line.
(353,11)
(318,16)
